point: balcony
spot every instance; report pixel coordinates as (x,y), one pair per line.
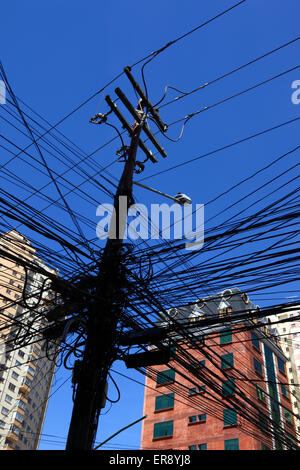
(24,389)
(23,398)
(11,437)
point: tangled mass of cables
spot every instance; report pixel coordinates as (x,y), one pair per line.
(250,241)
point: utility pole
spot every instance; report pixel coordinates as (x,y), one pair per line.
(90,373)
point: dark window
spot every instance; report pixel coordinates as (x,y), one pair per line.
(284,390)
(257,366)
(202,447)
(226,336)
(229,417)
(231,444)
(11,387)
(254,340)
(280,365)
(165,377)
(197,418)
(227,361)
(163,429)
(288,417)
(194,447)
(163,402)
(260,393)
(228,387)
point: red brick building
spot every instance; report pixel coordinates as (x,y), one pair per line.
(238,399)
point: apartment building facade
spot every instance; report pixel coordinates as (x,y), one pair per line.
(205,411)
(26,373)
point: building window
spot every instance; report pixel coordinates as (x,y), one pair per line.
(284,390)
(2,424)
(164,402)
(8,398)
(165,377)
(227,361)
(257,366)
(11,387)
(231,444)
(163,429)
(229,417)
(21,353)
(15,375)
(260,393)
(288,417)
(197,419)
(226,336)
(4,411)
(228,387)
(264,447)
(202,446)
(194,447)
(255,340)
(19,417)
(281,366)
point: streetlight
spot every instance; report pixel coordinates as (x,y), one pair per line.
(180,198)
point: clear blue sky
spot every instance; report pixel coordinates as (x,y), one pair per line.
(56,54)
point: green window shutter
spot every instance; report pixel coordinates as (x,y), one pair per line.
(194,447)
(288,416)
(229,417)
(257,366)
(228,387)
(280,365)
(192,419)
(284,391)
(202,417)
(165,377)
(163,429)
(226,336)
(255,340)
(192,391)
(202,446)
(231,444)
(164,401)
(260,393)
(227,361)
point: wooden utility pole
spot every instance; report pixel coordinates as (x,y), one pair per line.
(102,321)
(90,373)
